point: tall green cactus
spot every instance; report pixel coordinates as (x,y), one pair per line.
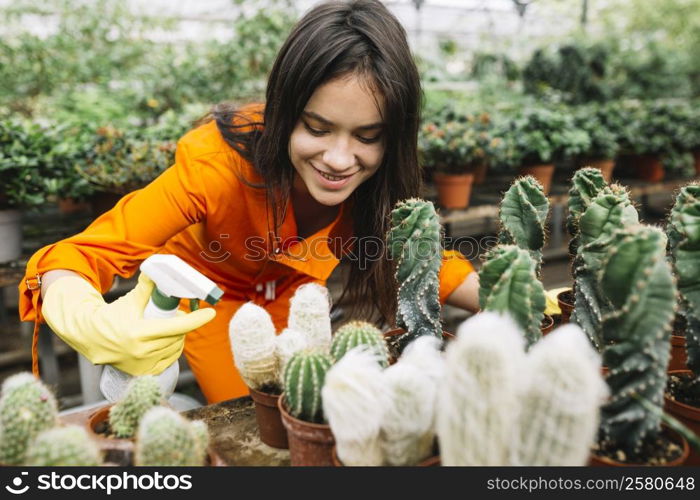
(142,394)
(523,214)
(167,439)
(303,380)
(586,184)
(27,407)
(683,230)
(415,242)
(637,282)
(64,446)
(609,211)
(508,282)
(357,333)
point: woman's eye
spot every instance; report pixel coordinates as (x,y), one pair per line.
(370,140)
(313,131)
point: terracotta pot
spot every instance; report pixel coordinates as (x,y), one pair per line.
(543,173)
(115,450)
(688,415)
(70,206)
(696,156)
(600,461)
(454,191)
(10,235)
(606,167)
(309,444)
(648,168)
(267,414)
(480,173)
(432,461)
(679,357)
(446,337)
(547,324)
(565,300)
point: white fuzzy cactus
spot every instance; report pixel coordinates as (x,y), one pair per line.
(310,314)
(252,337)
(478,402)
(353,403)
(560,403)
(408,430)
(286,344)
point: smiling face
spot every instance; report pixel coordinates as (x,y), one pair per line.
(338,141)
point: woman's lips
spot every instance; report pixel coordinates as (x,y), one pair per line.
(329,183)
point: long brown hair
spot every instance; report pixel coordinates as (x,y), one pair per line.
(334,39)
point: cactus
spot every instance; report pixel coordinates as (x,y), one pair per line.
(310,314)
(637,282)
(167,439)
(408,427)
(508,283)
(27,407)
(142,394)
(353,402)
(478,404)
(303,380)
(523,213)
(609,211)
(414,240)
(561,400)
(357,333)
(683,230)
(586,184)
(64,446)
(252,337)
(286,344)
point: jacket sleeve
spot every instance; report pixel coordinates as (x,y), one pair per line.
(117,241)
(455,269)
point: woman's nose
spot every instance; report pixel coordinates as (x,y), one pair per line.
(339,155)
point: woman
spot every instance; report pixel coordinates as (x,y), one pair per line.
(261,200)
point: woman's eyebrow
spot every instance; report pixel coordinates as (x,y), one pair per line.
(325,121)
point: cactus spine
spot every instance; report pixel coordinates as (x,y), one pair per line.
(142,394)
(586,184)
(561,400)
(252,338)
(358,333)
(303,381)
(523,213)
(415,242)
(609,211)
(64,446)
(27,407)
(478,404)
(353,402)
(683,230)
(310,314)
(508,283)
(167,439)
(637,282)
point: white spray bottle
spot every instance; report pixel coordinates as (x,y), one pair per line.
(174,280)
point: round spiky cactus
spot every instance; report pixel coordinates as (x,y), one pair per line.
(64,446)
(523,214)
(357,333)
(142,394)
(508,283)
(637,282)
(586,184)
(310,314)
(165,438)
(415,243)
(683,230)
(252,337)
(303,380)
(27,407)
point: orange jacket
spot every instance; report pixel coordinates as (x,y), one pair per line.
(200,210)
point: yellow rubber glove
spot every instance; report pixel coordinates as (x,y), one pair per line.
(116,333)
(552,302)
